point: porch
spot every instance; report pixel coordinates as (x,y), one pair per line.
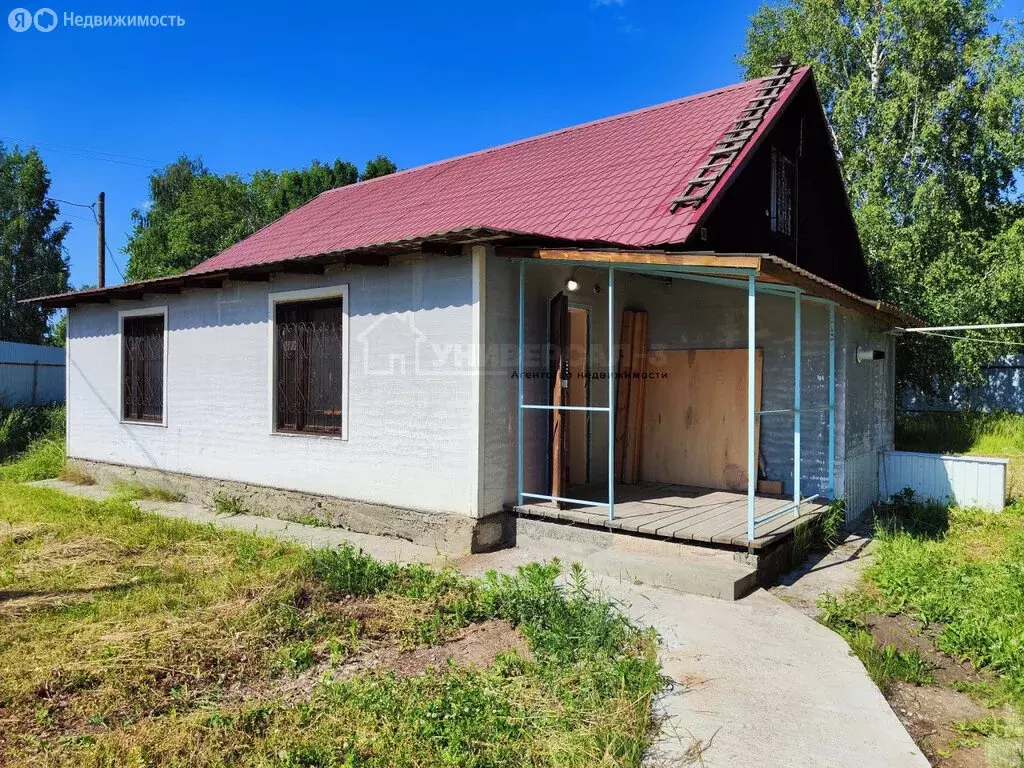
(679,513)
(667,429)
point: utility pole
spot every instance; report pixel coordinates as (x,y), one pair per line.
(101,242)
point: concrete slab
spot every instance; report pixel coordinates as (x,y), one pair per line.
(687,568)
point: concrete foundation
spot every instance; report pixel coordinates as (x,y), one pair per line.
(445,532)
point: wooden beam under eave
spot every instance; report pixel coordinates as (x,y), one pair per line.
(214,280)
(649,258)
(299,268)
(367,259)
(252,277)
(777,273)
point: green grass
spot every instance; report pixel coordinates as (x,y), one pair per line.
(31,443)
(960,570)
(132,639)
(983,434)
(19,427)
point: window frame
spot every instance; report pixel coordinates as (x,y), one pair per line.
(289,297)
(156,311)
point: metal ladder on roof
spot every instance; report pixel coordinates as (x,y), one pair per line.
(732,142)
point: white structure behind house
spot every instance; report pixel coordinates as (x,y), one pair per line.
(30,374)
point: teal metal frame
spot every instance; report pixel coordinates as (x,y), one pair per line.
(733,277)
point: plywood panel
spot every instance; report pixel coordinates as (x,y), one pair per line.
(579,369)
(695,418)
(629,397)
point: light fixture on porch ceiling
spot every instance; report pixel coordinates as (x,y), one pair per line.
(572,284)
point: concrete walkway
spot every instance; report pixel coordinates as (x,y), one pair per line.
(756,683)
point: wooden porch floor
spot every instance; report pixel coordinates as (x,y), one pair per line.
(679,512)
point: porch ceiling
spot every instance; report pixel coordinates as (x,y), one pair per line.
(767,269)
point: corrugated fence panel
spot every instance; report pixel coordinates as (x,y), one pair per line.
(30,374)
(968,481)
(861,484)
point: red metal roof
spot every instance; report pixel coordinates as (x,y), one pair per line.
(608,181)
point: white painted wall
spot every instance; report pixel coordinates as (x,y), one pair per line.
(30,374)
(410,424)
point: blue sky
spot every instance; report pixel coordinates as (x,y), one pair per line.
(260,85)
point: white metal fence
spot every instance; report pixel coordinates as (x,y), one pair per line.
(30,374)
(968,481)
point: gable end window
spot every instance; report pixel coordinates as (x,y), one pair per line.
(309,376)
(783,181)
(142,368)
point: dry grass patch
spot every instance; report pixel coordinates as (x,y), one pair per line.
(131,639)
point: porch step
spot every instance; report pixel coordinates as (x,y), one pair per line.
(683,567)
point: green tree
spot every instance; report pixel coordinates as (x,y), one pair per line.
(925,101)
(379,166)
(194,214)
(31,260)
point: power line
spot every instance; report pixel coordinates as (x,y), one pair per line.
(92,154)
(987,326)
(970,338)
(96,221)
(68,202)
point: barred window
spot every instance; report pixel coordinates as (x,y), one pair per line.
(143,368)
(308,360)
(782,193)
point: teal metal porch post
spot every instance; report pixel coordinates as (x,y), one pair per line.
(797,303)
(519,383)
(751,406)
(611,393)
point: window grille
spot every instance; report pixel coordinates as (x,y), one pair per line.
(782,193)
(143,370)
(308,359)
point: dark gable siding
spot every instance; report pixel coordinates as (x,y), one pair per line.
(826,240)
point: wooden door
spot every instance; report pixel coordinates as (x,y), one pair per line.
(558,350)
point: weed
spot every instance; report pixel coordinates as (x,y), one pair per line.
(305,519)
(833,522)
(72,474)
(297,657)
(135,490)
(986,726)
(226,504)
